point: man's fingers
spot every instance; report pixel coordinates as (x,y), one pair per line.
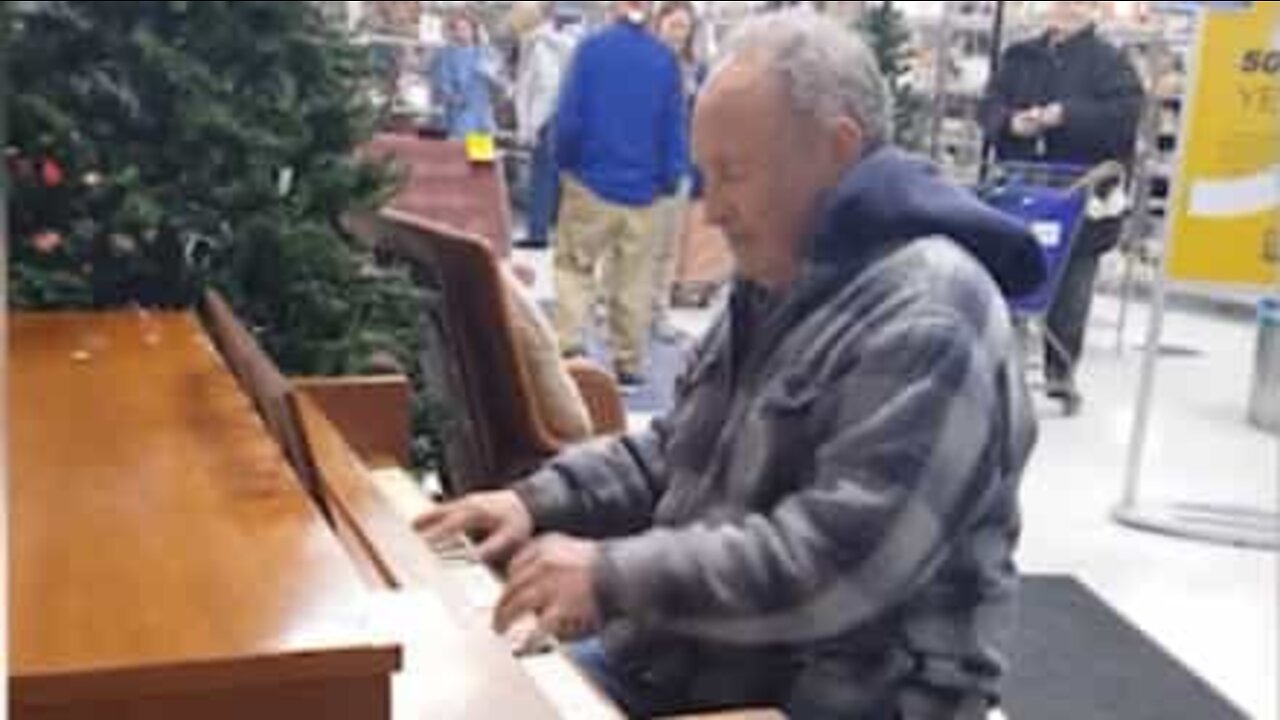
(430,518)
(450,525)
(515,605)
(528,567)
(527,579)
(555,623)
(525,560)
(523,593)
(498,547)
(565,625)
(558,624)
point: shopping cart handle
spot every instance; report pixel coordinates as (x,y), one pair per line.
(1042,168)
(1071,178)
(1108,171)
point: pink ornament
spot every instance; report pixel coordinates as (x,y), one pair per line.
(46,242)
(51,173)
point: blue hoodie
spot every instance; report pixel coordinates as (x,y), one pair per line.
(892,197)
(620,126)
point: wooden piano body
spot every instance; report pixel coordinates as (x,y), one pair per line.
(166,561)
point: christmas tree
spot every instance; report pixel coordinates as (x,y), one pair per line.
(885,29)
(158,148)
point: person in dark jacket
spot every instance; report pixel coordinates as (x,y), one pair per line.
(826,521)
(1069,97)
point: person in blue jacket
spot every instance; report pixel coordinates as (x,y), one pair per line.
(621,142)
(463,76)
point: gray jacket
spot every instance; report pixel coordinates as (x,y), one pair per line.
(827,519)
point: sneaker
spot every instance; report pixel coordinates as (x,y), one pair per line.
(1065,392)
(665,332)
(631,383)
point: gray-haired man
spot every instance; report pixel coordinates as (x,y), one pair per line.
(826,521)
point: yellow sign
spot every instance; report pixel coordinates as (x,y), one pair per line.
(1226,224)
(481,148)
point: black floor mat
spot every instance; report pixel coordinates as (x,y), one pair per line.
(1076,659)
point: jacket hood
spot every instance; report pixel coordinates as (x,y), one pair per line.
(892,197)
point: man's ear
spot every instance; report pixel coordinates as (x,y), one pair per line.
(848,141)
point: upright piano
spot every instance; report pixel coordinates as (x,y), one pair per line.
(165,561)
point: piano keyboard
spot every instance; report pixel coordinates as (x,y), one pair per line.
(481,589)
(538,653)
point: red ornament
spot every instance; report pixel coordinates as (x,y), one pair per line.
(51,173)
(46,242)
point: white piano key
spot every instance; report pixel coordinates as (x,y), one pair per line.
(567,689)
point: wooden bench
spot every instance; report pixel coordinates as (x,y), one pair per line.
(473,362)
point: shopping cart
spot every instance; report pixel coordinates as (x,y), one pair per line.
(1052,200)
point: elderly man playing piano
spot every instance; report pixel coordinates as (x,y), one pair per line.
(826,521)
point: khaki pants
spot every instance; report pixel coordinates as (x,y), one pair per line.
(614,242)
(669,221)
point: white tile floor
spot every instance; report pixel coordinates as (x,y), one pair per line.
(1213,608)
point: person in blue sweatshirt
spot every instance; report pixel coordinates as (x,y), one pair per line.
(827,520)
(463,77)
(621,142)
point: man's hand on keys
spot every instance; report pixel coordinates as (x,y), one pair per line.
(551,579)
(498,520)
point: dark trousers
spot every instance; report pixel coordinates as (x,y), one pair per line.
(633,698)
(1069,315)
(641,701)
(544,186)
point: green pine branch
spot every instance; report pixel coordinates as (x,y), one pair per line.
(885,29)
(172,125)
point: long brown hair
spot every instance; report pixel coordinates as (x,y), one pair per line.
(687,53)
(456,17)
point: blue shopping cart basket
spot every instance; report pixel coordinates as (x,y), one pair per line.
(1051,200)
